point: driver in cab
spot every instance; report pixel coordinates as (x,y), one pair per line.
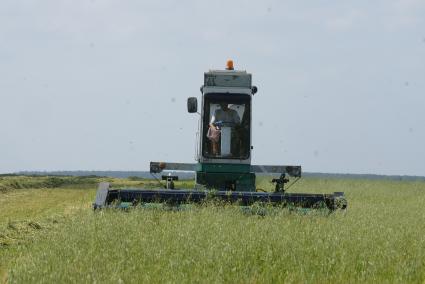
(225,115)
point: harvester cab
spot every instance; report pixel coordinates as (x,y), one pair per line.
(223,168)
(224,146)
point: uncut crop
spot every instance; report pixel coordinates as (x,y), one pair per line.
(380,238)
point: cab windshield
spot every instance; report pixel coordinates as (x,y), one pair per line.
(226,122)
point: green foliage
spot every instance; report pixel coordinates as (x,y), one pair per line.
(22,182)
(135,178)
(380,238)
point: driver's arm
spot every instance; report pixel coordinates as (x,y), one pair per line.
(212,121)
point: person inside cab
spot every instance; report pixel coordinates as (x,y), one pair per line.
(224,116)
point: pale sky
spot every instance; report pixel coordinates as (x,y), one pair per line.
(102,85)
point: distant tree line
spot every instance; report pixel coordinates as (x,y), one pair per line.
(191,175)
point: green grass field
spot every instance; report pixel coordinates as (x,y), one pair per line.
(49,234)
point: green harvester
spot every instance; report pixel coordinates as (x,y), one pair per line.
(223,168)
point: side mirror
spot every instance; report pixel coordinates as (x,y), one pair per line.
(192,105)
(254,90)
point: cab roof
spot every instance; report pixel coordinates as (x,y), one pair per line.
(228,78)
